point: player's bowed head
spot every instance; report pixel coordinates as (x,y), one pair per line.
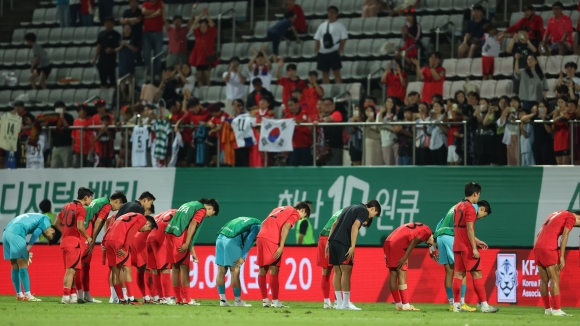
(85,196)
(374,209)
(52,234)
(117,200)
(212,207)
(577,215)
(149,225)
(303,209)
(146,199)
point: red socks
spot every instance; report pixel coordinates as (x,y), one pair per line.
(404,296)
(546,301)
(140,284)
(274,286)
(325,286)
(456,287)
(556,299)
(119,290)
(396,295)
(177,293)
(85,268)
(166,284)
(157,284)
(263,286)
(129,287)
(151,289)
(66,291)
(185,292)
(479,289)
(78,280)
(73,290)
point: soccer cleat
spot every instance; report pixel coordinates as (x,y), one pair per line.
(241,303)
(489,309)
(279,305)
(468,308)
(350,306)
(32,298)
(168,301)
(192,302)
(560,313)
(224,304)
(458,309)
(450,308)
(63,301)
(335,306)
(398,306)
(266,304)
(410,308)
(80,300)
(123,302)
(135,303)
(21,299)
(327,306)
(548,312)
(92,300)
(148,302)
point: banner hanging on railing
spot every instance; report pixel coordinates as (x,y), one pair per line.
(276,135)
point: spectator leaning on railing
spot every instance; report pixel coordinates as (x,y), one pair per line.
(569,80)
(372,142)
(355,141)
(87,136)
(333,135)
(302,138)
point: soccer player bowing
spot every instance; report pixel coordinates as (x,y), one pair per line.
(550,260)
(71,222)
(465,244)
(116,241)
(233,243)
(157,257)
(322,260)
(270,244)
(397,248)
(179,239)
(16,250)
(138,249)
(341,244)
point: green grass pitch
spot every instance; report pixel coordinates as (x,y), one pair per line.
(50,312)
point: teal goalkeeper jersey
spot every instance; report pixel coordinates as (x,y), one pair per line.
(445,226)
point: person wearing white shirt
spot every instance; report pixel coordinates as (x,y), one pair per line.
(260,66)
(438,132)
(235,88)
(330,39)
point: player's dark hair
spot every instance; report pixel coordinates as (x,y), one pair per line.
(211,202)
(484,203)
(308,202)
(45,206)
(570,101)
(151,220)
(55,237)
(303,205)
(119,195)
(109,19)
(575,212)
(83,192)
(374,203)
(333,8)
(147,195)
(472,188)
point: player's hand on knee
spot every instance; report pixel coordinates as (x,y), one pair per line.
(239,262)
(475,253)
(182,248)
(121,253)
(278,253)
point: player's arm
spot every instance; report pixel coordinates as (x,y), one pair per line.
(471,236)
(58,221)
(353,236)
(37,232)
(101,218)
(254,230)
(563,244)
(302,232)
(283,235)
(481,244)
(190,232)
(329,234)
(83,231)
(410,248)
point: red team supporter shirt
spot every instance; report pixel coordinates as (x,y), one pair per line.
(300,21)
(162,219)
(310,97)
(557,28)
(536,25)
(553,228)
(153,24)
(302,136)
(69,215)
(177,39)
(195,119)
(87,135)
(219,119)
(464,212)
(124,228)
(396,89)
(288,86)
(430,86)
(272,225)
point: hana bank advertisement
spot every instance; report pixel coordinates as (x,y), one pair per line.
(511,276)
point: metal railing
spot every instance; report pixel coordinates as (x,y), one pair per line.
(219,19)
(153,62)
(131,92)
(252,14)
(404,54)
(383,85)
(451,31)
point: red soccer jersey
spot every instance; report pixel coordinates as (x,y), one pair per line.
(300,21)
(395,87)
(97,119)
(139,243)
(310,97)
(153,24)
(535,23)
(430,85)
(404,234)
(557,29)
(124,228)
(88,135)
(464,212)
(288,86)
(195,119)
(69,215)
(162,219)
(272,225)
(553,228)
(302,136)
(219,119)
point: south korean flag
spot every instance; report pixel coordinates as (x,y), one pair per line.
(276,135)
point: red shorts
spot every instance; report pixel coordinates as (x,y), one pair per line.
(547,257)
(266,250)
(487,65)
(172,244)
(112,259)
(394,254)
(71,256)
(138,258)
(85,257)
(464,261)
(321,260)
(156,256)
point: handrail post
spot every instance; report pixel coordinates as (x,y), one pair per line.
(252,13)
(153,61)
(505,11)
(267,7)
(219,33)
(437,31)
(364,145)
(414,146)
(82,146)
(119,81)
(218,150)
(219,19)
(452,32)
(464,143)
(572,143)
(126,147)
(314,146)
(519,154)
(369,77)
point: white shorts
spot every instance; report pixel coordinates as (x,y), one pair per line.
(452,157)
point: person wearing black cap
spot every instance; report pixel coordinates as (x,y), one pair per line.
(257,93)
(61,156)
(216,123)
(533,22)
(473,33)
(522,44)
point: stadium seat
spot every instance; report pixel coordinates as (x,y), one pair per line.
(186,10)
(487,89)
(308,49)
(67,35)
(445,5)
(356,26)
(91,35)
(4,98)
(243,51)
(57,56)
(217,73)
(376,47)
(118,12)
(457,20)
(365,48)
(50,16)
(414,87)
(351,49)
(200,92)
(277,91)
(551,93)
(62,73)
(90,76)
(227,51)
(15,94)
(359,69)
(515,17)
(77,73)
(463,67)
(261,30)
(18,37)
(68,96)
(370,26)
(174,10)
(92,93)
(55,95)
(23,57)
(456,86)
(70,57)
(349,68)
(397,24)
(349,7)
(427,23)
(449,65)
(42,35)
(80,95)
(241,8)
(302,69)
(79,35)
(542,61)
(54,36)
(430,6)
(51,80)
(42,98)
(84,55)
(545,16)
(213,94)
(313,26)
(476,68)
(321,7)
(38,16)
(214,9)
(9,57)
(293,50)
(23,76)
(507,67)
(384,25)
(553,65)
(447,90)
(503,88)
(107,95)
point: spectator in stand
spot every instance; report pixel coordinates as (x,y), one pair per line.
(263,109)
(75,10)
(104,141)
(195,115)
(107,41)
(302,138)
(412,99)
(63,13)
(204,56)
(105,9)
(235,88)
(454,115)
(405,138)
(389,144)
(558,35)
(396,80)
(101,107)
(355,141)
(485,134)
(423,138)
(153,11)
(281,30)
(570,80)
(566,111)
(289,83)
(490,50)
(177,38)
(127,51)
(438,132)
(532,22)
(332,134)
(371,8)
(87,12)
(134,18)
(510,137)
(82,152)
(534,84)
(300,21)
(330,39)
(242,154)
(520,43)
(297,93)
(526,140)
(260,67)
(433,77)
(473,34)
(501,154)
(216,123)
(543,144)
(187,81)
(411,36)
(312,94)
(372,140)
(258,92)
(61,138)
(41,66)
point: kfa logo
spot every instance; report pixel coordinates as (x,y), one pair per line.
(506,278)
